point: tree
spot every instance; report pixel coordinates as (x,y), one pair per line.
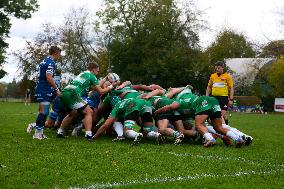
(75,38)
(16,8)
(153,41)
(33,53)
(273,49)
(230,44)
(276,77)
(78,40)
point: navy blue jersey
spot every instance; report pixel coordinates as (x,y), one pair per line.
(46,66)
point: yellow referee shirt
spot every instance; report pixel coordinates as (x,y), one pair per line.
(220,84)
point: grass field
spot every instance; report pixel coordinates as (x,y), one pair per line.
(77,163)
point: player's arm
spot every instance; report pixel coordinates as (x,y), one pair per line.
(231,90)
(101,90)
(168,108)
(154,93)
(52,83)
(142,87)
(102,81)
(110,120)
(209,87)
(124,84)
(174,91)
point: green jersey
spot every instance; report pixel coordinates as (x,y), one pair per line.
(160,101)
(81,84)
(127,106)
(128,91)
(193,106)
(186,93)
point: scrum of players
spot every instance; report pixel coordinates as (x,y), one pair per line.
(138,112)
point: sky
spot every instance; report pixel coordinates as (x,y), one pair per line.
(258,20)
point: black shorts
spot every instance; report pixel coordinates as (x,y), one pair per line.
(223,101)
(211,115)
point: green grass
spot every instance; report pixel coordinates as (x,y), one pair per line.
(75,162)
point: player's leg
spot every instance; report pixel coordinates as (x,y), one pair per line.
(200,119)
(129,132)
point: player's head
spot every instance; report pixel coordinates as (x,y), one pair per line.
(219,67)
(55,51)
(94,68)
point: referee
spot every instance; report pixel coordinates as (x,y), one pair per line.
(220,86)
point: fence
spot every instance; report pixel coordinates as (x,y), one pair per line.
(12,100)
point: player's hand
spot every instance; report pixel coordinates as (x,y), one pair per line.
(230,103)
(58,92)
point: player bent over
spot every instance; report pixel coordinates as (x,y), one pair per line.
(72,98)
(131,110)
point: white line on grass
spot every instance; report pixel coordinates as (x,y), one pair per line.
(212,157)
(173,179)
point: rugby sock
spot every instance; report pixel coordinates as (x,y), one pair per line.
(208,136)
(131,134)
(234,130)
(211,129)
(118,127)
(60,131)
(88,133)
(41,118)
(232,135)
(237,132)
(152,135)
(129,124)
(175,134)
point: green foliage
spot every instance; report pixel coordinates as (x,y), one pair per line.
(150,43)
(2,90)
(34,52)
(16,8)
(75,162)
(73,36)
(2,73)
(230,44)
(78,41)
(276,77)
(273,49)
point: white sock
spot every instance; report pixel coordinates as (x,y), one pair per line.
(208,136)
(232,135)
(237,132)
(60,131)
(118,127)
(211,129)
(226,126)
(130,134)
(88,133)
(152,135)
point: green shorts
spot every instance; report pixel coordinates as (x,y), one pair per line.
(72,100)
(204,103)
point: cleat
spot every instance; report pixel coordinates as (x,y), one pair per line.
(239,142)
(76,131)
(137,139)
(39,136)
(248,140)
(60,135)
(226,141)
(179,139)
(30,127)
(198,138)
(214,136)
(209,143)
(89,137)
(160,139)
(118,139)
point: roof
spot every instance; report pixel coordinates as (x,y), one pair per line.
(243,65)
